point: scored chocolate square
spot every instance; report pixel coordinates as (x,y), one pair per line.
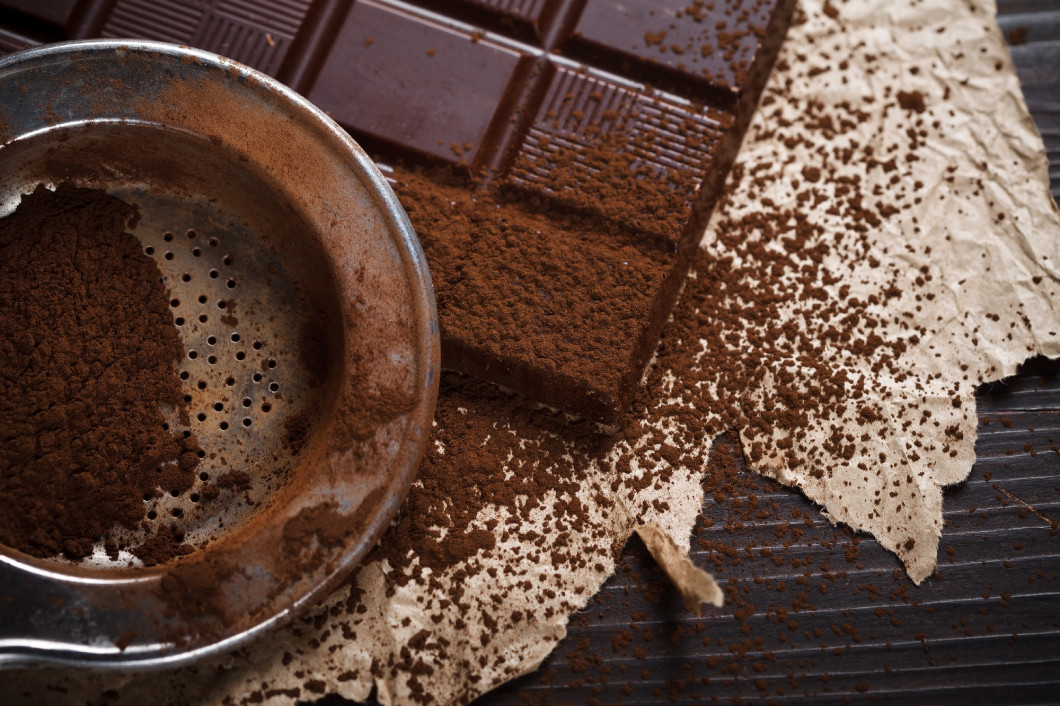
(256,33)
(558,158)
(419,86)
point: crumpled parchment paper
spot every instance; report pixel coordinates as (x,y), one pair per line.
(910,111)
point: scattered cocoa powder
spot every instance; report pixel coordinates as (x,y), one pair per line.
(89,353)
(455,482)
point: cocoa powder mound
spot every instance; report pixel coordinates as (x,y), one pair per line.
(88,354)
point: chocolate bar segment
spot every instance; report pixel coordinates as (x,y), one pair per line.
(255,32)
(597,146)
(705,43)
(559,247)
(423,89)
(558,158)
(53,12)
(26,23)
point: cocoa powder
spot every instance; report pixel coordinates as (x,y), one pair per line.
(561,298)
(88,355)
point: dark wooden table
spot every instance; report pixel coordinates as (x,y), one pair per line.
(826,618)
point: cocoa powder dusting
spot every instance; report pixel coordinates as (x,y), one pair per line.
(559,297)
(88,354)
(460,472)
(190,590)
(165,545)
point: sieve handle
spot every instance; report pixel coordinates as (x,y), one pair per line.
(47,618)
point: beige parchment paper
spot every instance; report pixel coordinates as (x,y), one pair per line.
(893,193)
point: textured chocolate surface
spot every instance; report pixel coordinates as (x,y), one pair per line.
(609,123)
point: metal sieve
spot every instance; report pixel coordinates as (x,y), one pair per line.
(306,310)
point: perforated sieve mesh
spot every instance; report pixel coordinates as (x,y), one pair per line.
(248,393)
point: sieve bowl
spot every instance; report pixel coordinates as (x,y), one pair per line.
(311,360)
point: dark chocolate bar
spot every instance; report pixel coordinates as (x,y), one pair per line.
(558,158)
